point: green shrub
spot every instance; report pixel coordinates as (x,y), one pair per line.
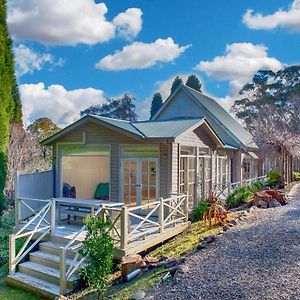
(98,248)
(240,196)
(200,209)
(296,176)
(273,178)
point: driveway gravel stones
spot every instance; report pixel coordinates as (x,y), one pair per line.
(257,259)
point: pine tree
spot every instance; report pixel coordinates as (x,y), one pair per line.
(194,82)
(156,104)
(10,105)
(177,81)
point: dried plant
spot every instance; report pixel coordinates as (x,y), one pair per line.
(215,212)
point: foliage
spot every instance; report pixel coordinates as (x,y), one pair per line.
(194,82)
(42,128)
(273,178)
(156,104)
(239,196)
(10,111)
(200,209)
(177,81)
(99,251)
(122,108)
(242,195)
(296,176)
(215,211)
(23,154)
(269,106)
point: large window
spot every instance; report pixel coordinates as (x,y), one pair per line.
(223,170)
(85,172)
(187,172)
(204,176)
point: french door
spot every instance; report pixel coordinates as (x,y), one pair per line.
(139,181)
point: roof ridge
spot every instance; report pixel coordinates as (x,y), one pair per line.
(120,120)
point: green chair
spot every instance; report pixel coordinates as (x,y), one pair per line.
(102,191)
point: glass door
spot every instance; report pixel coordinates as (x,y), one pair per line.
(139,181)
(130,182)
(149,181)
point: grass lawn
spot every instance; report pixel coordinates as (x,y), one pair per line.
(7,292)
(178,246)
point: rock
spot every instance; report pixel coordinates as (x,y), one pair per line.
(184,269)
(262,204)
(138,295)
(174,262)
(226,227)
(150,260)
(209,239)
(201,246)
(274,203)
(153,265)
(143,265)
(232,222)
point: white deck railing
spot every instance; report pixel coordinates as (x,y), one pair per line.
(127,226)
(37,225)
(223,190)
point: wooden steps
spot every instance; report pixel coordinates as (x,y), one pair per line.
(40,275)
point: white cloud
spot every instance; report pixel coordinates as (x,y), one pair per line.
(142,55)
(240,62)
(28,61)
(61,105)
(68,22)
(289,19)
(129,23)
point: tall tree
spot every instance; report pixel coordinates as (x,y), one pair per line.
(194,82)
(269,106)
(8,95)
(156,104)
(122,108)
(177,81)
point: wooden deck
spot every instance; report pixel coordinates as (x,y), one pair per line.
(50,257)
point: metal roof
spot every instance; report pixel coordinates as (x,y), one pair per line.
(231,132)
(154,129)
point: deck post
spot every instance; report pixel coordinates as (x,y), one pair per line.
(62,271)
(186,207)
(161,215)
(124,227)
(52,215)
(12,254)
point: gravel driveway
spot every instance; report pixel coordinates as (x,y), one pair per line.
(258,259)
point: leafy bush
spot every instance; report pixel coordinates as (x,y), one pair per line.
(296,176)
(98,248)
(273,178)
(240,196)
(199,210)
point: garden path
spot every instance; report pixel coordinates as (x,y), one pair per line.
(257,259)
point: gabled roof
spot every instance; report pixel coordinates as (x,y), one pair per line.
(232,133)
(150,129)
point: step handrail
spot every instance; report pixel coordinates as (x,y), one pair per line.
(39,227)
(67,273)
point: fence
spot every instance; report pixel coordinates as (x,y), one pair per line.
(223,190)
(32,190)
(127,227)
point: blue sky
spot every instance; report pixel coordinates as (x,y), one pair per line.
(57,49)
